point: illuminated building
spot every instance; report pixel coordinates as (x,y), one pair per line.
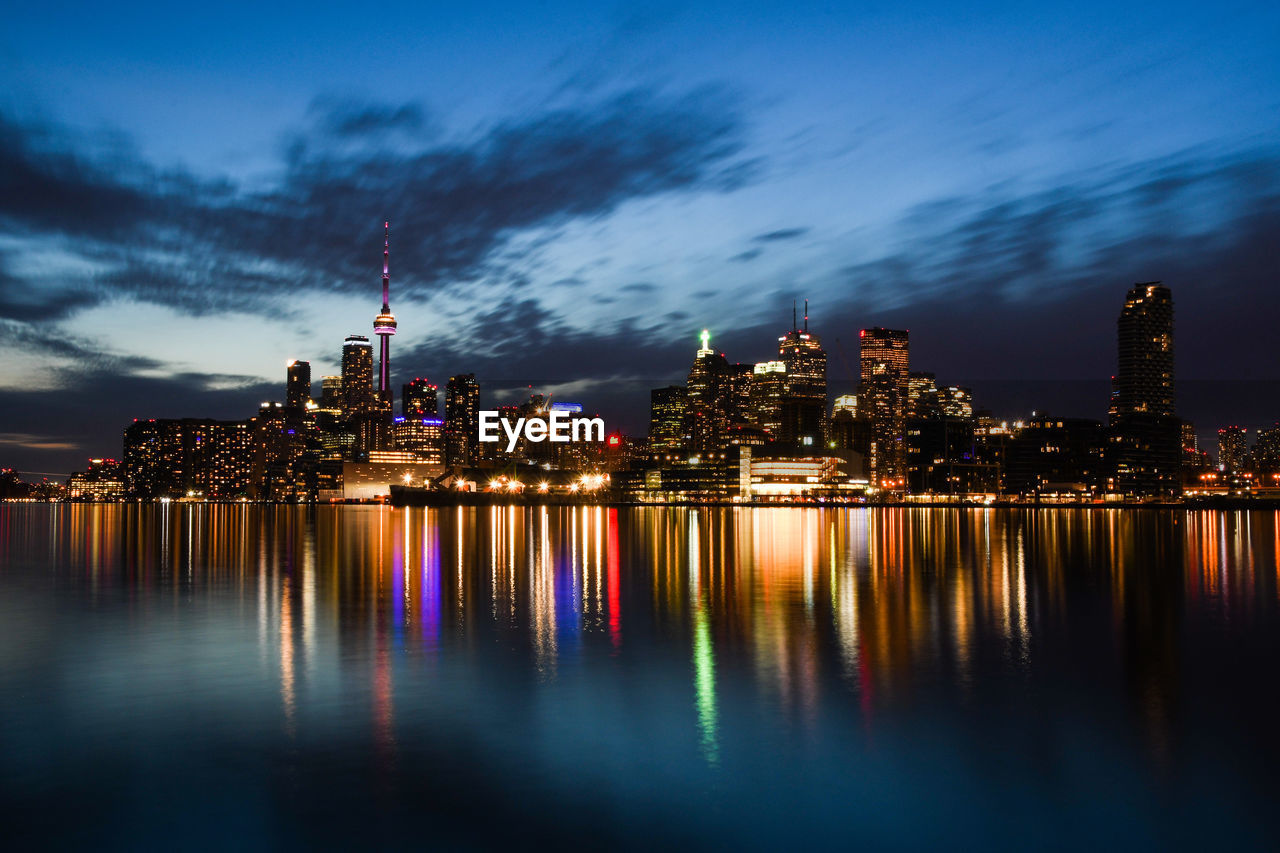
(384,326)
(804,406)
(1266,450)
(845,403)
(199,457)
(1192,457)
(942,458)
(708,391)
(103,481)
(668,412)
(1233,448)
(768,388)
(357,376)
(922,396)
(461,420)
(420,399)
(421,436)
(882,396)
(298,384)
(1144,382)
(955,401)
(285,459)
(331,394)
(1056,456)
(1146,436)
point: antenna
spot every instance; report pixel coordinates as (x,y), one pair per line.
(806,315)
(386,266)
(793,314)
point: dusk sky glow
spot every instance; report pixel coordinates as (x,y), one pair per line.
(188,198)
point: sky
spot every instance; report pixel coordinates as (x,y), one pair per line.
(189,197)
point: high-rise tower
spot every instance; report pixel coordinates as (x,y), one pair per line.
(1146,435)
(804,405)
(883,395)
(384,325)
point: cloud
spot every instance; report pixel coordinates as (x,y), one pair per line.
(200,245)
(780,235)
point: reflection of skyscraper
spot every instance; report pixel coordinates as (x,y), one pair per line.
(384,326)
(298,384)
(883,399)
(804,407)
(420,399)
(1146,441)
(461,419)
(357,375)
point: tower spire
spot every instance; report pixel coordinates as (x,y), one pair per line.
(793,314)
(806,315)
(386,266)
(384,325)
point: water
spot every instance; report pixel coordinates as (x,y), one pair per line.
(217,676)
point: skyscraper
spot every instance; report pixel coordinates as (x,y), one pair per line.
(768,388)
(1144,380)
(298,384)
(1146,436)
(709,397)
(461,419)
(883,399)
(384,326)
(668,410)
(804,405)
(1233,448)
(420,399)
(357,375)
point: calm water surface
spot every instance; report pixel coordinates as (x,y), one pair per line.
(217,676)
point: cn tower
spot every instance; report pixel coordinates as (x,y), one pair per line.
(384,325)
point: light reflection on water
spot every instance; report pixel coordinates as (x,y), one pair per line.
(637,676)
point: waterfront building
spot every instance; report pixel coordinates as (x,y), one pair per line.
(102,481)
(357,376)
(461,420)
(882,396)
(421,436)
(1056,456)
(1145,433)
(1266,450)
(804,405)
(668,416)
(1233,448)
(708,394)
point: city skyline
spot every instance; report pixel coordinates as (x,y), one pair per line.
(576,221)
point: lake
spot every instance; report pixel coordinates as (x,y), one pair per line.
(207,676)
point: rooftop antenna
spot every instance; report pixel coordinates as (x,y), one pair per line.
(793,314)
(806,315)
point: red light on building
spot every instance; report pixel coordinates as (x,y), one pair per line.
(614,440)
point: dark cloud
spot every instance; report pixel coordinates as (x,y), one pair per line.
(748,255)
(201,245)
(780,235)
(345,118)
(640,287)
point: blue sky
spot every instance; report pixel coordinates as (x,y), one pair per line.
(190,197)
